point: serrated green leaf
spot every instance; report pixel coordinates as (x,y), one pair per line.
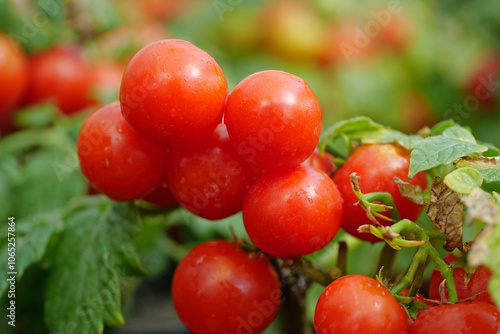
(41,187)
(459,132)
(8,171)
(439,150)
(464,180)
(389,136)
(440,127)
(369,132)
(355,124)
(95,249)
(31,239)
(488,167)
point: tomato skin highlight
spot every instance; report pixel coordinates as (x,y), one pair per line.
(461,318)
(292,213)
(63,76)
(209,180)
(14,73)
(376,165)
(114,159)
(218,288)
(358,304)
(273,119)
(173,93)
(477,283)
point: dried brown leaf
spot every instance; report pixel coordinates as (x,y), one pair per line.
(446,212)
(479,161)
(409,191)
(480,248)
(480,206)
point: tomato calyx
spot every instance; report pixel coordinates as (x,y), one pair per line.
(369,203)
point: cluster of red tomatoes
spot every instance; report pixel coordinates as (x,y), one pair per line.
(60,74)
(177,136)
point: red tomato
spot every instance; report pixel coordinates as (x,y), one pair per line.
(106,78)
(323,163)
(358,304)
(483,84)
(161,195)
(467,287)
(347,42)
(461,318)
(61,75)
(293,30)
(173,93)
(292,213)
(218,288)
(14,78)
(397,31)
(114,159)
(415,112)
(209,179)
(273,119)
(164,9)
(376,165)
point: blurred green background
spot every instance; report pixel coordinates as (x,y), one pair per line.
(405,64)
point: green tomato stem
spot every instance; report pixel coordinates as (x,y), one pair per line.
(386,260)
(342,257)
(387,200)
(419,258)
(446,272)
(306,269)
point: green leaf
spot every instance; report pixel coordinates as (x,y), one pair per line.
(389,136)
(493,151)
(94,251)
(42,185)
(439,150)
(459,132)
(31,239)
(355,124)
(492,260)
(496,196)
(37,115)
(368,131)
(464,180)
(440,127)
(488,167)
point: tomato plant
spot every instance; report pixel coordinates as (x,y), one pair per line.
(292,213)
(209,179)
(376,165)
(218,288)
(173,93)
(164,173)
(114,159)
(358,304)
(463,318)
(61,75)
(273,119)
